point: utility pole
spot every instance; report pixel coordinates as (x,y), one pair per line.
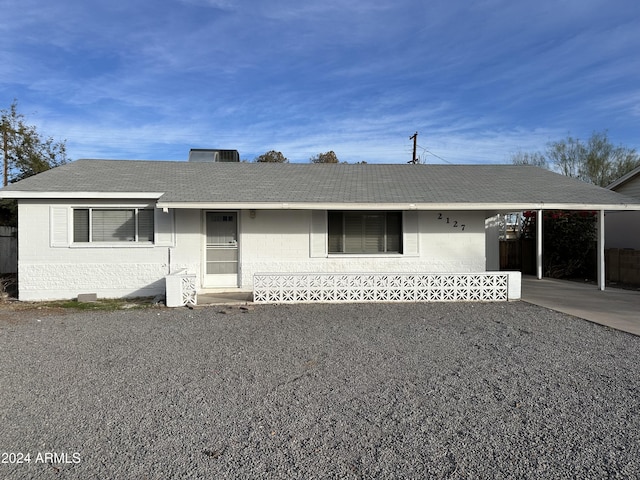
(414,137)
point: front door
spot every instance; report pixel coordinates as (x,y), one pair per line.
(221,249)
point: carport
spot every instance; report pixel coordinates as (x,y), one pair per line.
(614,308)
(540,209)
(600,276)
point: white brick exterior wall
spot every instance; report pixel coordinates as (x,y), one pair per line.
(108,280)
(46,272)
(442,247)
(272,242)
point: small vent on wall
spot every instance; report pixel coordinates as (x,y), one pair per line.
(213,155)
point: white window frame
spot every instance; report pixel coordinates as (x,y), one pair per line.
(117,243)
(385,234)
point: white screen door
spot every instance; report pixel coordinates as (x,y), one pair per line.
(221,249)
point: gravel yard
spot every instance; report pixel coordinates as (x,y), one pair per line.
(465,390)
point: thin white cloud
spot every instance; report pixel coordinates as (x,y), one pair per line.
(217,4)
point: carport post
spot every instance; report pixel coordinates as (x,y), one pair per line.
(600,246)
(539,245)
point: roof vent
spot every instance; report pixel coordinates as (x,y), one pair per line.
(210,156)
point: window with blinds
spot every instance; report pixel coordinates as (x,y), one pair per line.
(113,225)
(364,232)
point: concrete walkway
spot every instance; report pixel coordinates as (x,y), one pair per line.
(615,308)
(225,297)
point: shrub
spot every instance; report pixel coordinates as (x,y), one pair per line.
(568,244)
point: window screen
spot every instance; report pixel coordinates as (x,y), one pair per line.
(81,225)
(145,225)
(113,225)
(365,232)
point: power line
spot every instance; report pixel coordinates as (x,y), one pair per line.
(437,156)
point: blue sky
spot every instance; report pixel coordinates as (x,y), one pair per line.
(478,80)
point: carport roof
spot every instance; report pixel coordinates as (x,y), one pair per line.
(269,185)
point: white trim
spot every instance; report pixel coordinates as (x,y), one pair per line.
(111,245)
(18,194)
(506,207)
(600,246)
(365,255)
(124,243)
(108,206)
(624,179)
(206,279)
(539,243)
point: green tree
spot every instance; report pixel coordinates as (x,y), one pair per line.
(327,157)
(566,156)
(595,161)
(569,238)
(25,152)
(569,242)
(604,163)
(271,157)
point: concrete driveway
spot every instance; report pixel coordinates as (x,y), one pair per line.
(613,307)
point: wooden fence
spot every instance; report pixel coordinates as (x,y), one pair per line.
(518,254)
(8,249)
(622,265)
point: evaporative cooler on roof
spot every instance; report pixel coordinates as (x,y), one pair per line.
(211,155)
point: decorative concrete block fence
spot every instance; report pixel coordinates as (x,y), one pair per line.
(181,289)
(386,287)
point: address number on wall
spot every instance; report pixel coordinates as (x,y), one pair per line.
(453,223)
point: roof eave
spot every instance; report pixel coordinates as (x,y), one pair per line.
(21,194)
(507,207)
(624,179)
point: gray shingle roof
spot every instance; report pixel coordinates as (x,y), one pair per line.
(321,183)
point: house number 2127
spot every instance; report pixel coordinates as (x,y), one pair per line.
(453,223)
